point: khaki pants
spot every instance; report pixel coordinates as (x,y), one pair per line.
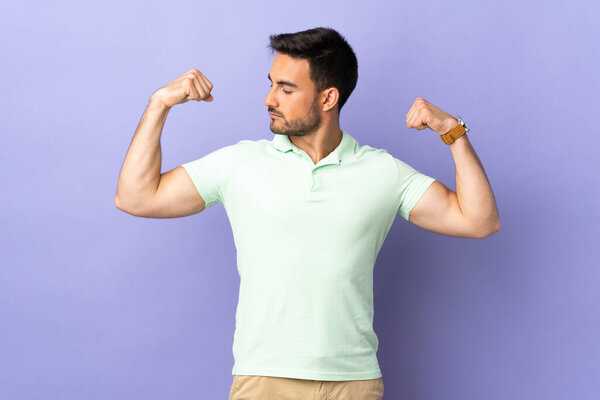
(254,387)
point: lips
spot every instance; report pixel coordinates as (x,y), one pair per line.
(274,115)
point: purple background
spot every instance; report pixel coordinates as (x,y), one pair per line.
(98,304)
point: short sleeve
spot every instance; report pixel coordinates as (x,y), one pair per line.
(411,185)
(210,174)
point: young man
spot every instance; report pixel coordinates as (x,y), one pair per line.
(309,211)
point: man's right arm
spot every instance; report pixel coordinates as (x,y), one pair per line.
(142,190)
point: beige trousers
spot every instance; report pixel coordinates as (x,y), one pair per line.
(254,387)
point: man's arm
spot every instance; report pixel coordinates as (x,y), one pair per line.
(140,172)
(470,211)
(142,190)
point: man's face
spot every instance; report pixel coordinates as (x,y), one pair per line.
(292,97)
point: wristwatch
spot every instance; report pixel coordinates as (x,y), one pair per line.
(460,129)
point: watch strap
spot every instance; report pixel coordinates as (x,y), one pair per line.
(453,134)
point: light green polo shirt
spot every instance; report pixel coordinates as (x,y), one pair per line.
(307,236)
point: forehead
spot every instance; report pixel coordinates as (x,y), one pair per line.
(290,69)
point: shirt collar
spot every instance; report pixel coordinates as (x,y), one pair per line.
(345,151)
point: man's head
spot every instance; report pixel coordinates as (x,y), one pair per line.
(312,76)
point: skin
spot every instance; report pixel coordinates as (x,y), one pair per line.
(308,117)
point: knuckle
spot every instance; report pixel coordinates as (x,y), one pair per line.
(190,89)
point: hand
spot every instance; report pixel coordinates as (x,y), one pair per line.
(192,85)
(423,114)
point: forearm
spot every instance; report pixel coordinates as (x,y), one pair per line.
(473,190)
(140,172)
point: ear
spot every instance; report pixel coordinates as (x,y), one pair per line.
(330,97)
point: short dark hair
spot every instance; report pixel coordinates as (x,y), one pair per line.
(332,61)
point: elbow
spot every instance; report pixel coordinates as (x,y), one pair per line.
(121,206)
(136,208)
(489,230)
(119,203)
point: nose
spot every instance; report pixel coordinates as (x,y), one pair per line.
(270,100)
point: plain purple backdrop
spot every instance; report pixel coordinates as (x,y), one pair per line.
(98,304)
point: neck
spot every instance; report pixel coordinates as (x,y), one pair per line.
(319,143)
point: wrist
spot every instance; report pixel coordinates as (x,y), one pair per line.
(156,103)
(460,139)
(450,124)
(457,129)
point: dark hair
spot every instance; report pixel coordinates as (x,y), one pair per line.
(332,61)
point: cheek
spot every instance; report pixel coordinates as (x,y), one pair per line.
(299,107)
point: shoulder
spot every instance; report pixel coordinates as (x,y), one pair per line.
(366,152)
(243,153)
(383,158)
(374,155)
(251,144)
(243,146)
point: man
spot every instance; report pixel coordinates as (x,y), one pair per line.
(309,211)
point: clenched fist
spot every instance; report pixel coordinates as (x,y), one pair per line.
(192,85)
(423,114)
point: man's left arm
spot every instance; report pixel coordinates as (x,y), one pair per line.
(470,211)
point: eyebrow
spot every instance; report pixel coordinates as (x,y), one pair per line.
(287,83)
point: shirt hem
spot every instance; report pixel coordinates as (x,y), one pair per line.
(311,375)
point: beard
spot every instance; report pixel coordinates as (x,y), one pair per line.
(299,127)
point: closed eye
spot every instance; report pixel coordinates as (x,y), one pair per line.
(284,91)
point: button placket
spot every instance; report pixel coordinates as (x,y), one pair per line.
(313,181)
